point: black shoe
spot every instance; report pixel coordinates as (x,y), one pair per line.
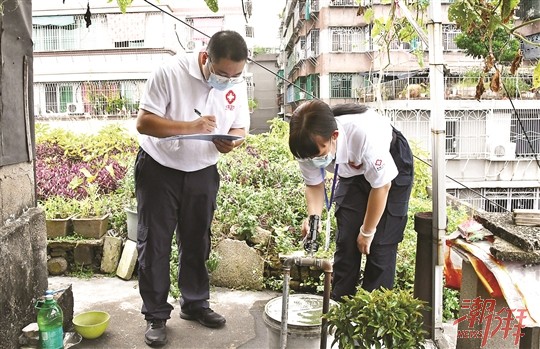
(156,332)
(206,317)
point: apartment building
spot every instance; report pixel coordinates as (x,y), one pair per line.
(98,68)
(328,52)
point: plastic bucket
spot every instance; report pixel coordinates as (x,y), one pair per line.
(303,321)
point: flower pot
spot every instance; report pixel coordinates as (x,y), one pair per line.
(131,221)
(91,227)
(58,227)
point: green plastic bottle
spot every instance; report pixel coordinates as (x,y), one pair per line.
(50,320)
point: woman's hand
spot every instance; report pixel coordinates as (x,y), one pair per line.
(364,239)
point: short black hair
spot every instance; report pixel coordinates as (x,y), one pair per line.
(227,44)
(312,118)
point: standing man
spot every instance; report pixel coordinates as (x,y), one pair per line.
(375,167)
(177,180)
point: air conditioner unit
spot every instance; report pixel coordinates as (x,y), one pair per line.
(193,45)
(74,108)
(499,151)
(301,95)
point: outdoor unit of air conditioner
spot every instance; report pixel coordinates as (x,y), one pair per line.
(499,151)
(74,108)
(193,45)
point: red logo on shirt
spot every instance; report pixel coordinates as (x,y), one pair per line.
(230,97)
(379,165)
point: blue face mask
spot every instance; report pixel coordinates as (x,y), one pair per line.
(219,82)
(322,161)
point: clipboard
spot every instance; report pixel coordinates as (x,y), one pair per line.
(202,137)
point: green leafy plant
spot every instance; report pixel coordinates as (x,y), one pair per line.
(57,207)
(93,205)
(378,319)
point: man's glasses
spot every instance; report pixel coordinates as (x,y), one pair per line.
(223,79)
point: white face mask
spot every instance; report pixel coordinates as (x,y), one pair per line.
(219,82)
(322,161)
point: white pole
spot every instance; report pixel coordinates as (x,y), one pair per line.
(438,130)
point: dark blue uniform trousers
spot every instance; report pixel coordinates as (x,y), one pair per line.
(351,203)
(168,199)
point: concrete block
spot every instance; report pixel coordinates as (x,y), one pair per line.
(83,254)
(112,248)
(127,261)
(57,266)
(471,336)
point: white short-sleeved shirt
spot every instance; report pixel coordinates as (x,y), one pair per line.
(363,148)
(173,92)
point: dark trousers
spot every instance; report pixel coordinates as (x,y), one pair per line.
(168,199)
(351,203)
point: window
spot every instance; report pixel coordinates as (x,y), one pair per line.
(250,31)
(341,85)
(312,85)
(350,39)
(94,98)
(125,44)
(449,33)
(530,120)
(451,136)
(207,25)
(312,43)
(343,3)
(55,33)
(499,199)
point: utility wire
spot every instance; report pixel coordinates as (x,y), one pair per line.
(315,97)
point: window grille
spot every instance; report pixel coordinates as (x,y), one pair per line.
(530,119)
(343,85)
(312,43)
(343,3)
(250,31)
(449,33)
(350,39)
(499,199)
(90,98)
(68,33)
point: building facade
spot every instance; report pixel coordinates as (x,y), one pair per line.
(96,64)
(328,52)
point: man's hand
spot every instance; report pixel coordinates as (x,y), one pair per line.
(224,145)
(205,124)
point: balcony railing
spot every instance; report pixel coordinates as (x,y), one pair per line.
(515,87)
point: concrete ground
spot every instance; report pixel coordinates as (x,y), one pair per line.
(243,310)
(245,328)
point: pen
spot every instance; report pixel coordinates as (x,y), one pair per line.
(197,112)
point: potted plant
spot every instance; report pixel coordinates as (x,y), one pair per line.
(378,319)
(92,216)
(58,213)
